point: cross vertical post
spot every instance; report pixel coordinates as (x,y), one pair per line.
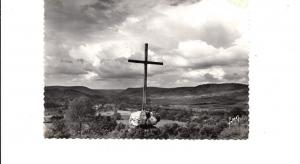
(145,62)
(145,77)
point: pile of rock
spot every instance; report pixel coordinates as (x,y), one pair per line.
(143,118)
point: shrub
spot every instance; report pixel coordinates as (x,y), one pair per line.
(170,130)
(212,131)
(207,132)
(120,131)
(142,133)
(194,129)
(183,133)
(58,129)
(102,126)
(238,132)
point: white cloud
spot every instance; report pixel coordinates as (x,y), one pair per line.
(86,52)
(90,75)
(196,49)
(198,54)
(197,41)
(216,72)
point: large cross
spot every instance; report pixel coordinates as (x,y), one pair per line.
(145,62)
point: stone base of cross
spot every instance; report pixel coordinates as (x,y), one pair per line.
(143,118)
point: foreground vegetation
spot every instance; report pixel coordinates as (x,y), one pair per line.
(79,121)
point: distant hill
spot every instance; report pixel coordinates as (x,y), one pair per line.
(227,93)
(206,95)
(60,94)
(198,90)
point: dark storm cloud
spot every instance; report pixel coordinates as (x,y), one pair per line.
(74,20)
(83,19)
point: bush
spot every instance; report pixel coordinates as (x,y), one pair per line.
(142,133)
(120,131)
(194,129)
(183,133)
(238,132)
(170,130)
(207,132)
(102,126)
(58,129)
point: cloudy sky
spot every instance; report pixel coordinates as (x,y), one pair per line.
(88,42)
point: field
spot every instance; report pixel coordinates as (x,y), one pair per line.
(210,111)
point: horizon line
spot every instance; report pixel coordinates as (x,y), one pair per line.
(138,87)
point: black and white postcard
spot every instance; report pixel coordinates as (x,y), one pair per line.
(157,69)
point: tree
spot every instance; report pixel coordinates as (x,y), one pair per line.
(80,109)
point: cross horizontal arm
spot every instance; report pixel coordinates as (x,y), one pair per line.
(157,63)
(143,62)
(136,61)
